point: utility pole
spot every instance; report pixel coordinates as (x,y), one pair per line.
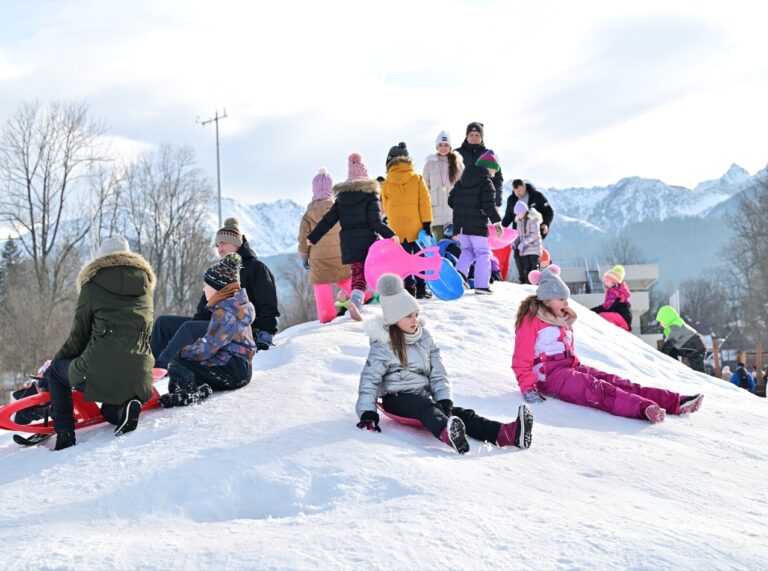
(215,119)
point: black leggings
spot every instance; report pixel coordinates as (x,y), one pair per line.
(189,375)
(433,418)
(62,406)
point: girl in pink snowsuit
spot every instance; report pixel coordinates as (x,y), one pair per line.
(544,361)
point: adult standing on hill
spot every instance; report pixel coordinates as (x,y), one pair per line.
(172,332)
(532,198)
(472,149)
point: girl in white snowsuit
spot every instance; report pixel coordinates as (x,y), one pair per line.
(404,369)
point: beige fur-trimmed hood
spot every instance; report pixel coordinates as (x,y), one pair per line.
(362,185)
(114,260)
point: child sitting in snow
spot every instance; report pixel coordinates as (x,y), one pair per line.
(222,359)
(617,295)
(527,245)
(405,370)
(544,361)
(357,211)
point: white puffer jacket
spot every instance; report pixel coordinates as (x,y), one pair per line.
(436,176)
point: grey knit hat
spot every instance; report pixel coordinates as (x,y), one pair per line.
(395,302)
(551,286)
(113,244)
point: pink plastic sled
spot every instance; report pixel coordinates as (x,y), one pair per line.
(401,419)
(616,319)
(325,300)
(387,256)
(506,239)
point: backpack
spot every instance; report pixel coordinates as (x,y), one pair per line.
(743,378)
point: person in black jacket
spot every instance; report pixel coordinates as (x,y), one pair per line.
(358,211)
(526,192)
(471,150)
(171,333)
(472,201)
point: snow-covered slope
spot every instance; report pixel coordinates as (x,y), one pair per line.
(277,476)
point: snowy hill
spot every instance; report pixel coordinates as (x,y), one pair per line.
(277,476)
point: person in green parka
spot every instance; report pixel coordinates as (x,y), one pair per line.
(107,354)
(680,339)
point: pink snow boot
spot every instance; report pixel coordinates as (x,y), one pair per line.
(517,433)
(454,435)
(690,404)
(654,413)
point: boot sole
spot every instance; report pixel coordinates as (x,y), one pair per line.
(692,405)
(131,420)
(457,435)
(354,313)
(525,427)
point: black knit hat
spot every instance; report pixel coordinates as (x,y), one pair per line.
(224,272)
(475,126)
(398,151)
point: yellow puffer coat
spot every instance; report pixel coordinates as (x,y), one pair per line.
(405,200)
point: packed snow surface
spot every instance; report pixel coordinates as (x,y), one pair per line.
(277,476)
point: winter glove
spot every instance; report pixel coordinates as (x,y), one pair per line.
(305,263)
(427,228)
(532,396)
(499,229)
(447,406)
(521,248)
(369,421)
(263,340)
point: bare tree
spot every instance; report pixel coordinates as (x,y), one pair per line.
(297,299)
(167,199)
(621,249)
(748,259)
(45,155)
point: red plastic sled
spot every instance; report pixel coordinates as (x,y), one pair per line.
(85,413)
(616,319)
(401,419)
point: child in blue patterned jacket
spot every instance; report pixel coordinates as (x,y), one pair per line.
(221,360)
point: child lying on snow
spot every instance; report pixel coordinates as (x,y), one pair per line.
(544,361)
(405,369)
(222,359)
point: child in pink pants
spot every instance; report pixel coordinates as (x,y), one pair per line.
(544,361)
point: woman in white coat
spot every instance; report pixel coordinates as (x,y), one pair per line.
(442,170)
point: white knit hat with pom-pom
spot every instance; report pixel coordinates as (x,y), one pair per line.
(395,302)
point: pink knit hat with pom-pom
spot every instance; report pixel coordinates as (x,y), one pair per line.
(322,185)
(551,286)
(357,169)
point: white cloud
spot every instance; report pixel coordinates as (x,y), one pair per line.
(571,93)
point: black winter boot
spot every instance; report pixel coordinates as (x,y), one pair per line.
(129,417)
(64,439)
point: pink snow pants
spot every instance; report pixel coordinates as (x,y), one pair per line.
(589,387)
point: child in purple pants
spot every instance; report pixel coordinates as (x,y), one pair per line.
(544,361)
(473,204)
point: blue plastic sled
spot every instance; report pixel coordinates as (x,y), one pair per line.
(448,285)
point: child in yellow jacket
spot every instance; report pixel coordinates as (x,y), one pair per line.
(406,204)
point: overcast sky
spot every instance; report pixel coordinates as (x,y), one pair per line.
(571,93)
